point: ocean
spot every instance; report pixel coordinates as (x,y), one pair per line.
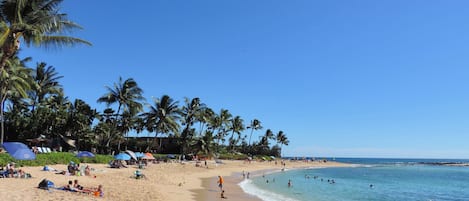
(370,180)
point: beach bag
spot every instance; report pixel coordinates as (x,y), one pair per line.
(44,184)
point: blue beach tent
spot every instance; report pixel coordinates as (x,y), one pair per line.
(19,151)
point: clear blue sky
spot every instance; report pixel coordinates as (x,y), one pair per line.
(341,78)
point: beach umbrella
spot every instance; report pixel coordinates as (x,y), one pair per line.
(19,151)
(122,156)
(131,154)
(148,156)
(139,154)
(84,154)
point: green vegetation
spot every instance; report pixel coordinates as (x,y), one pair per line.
(54,158)
(33,103)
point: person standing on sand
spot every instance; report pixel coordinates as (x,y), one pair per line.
(220,182)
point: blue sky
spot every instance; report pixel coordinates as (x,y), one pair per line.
(341,78)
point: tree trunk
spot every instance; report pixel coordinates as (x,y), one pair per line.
(2,120)
(252,130)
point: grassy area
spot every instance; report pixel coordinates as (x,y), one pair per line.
(66,157)
(54,158)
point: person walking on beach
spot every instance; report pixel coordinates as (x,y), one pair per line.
(220,183)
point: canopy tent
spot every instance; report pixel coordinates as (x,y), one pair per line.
(19,151)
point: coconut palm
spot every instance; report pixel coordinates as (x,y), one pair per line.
(128,96)
(237,127)
(282,140)
(189,112)
(204,143)
(35,22)
(255,125)
(47,83)
(203,117)
(162,117)
(14,81)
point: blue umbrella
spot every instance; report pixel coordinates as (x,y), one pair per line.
(122,156)
(83,154)
(139,154)
(19,151)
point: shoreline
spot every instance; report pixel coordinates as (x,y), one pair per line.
(210,191)
(164,181)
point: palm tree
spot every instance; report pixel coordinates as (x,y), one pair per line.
(255,125)
(14,80)
(128,95)
(237,127)
(282,140)
(35,22)
(189,112)
(220,123)
(47,82)
(204,143)
(162,117)
(203,117)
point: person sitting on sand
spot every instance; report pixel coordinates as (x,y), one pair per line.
(69,186)
(76,185)
(87,171)
(99,192)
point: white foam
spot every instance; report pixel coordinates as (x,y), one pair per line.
(265,195)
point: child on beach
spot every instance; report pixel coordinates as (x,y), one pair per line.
(99,192)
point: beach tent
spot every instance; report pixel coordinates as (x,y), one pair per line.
(122,156)
(131,154)
(84,154)
(19,151)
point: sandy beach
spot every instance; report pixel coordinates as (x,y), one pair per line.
(164,181)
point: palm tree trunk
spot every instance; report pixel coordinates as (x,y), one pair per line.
(2,119)
(252,130)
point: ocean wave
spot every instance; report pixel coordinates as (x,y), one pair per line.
(265,195)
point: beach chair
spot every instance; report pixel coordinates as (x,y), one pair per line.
(39,150)
(48,150)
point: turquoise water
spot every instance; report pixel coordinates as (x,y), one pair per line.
(407,180)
